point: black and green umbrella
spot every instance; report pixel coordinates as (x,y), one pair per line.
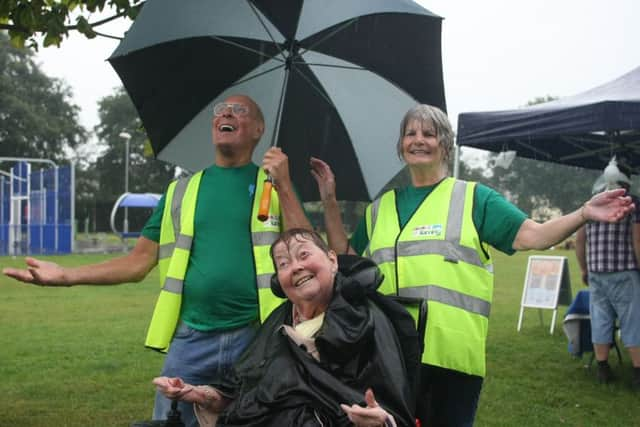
(333,77)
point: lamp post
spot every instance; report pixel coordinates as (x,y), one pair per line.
(127,137)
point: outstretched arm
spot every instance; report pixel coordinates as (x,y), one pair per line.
(336,235)
(609,206)
(203,395)
(370,416)
(132,267)
(276,164)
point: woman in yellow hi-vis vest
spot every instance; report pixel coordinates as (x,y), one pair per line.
(431,240)
(213,255)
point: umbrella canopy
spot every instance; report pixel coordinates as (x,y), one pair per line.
(582,130)
(351,69)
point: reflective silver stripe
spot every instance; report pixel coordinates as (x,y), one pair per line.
(184,242)
(375,206)
(165,251)
(449,297)
(384,255)
(450,251)
(176,203)
(181,241)
(450,248)
(264,281)
(173,285)
(456,212)
(261,238)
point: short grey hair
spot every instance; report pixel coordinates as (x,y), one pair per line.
(429,115)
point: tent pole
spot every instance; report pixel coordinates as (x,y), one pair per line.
(456,160)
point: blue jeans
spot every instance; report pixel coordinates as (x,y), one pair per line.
(200,358)
(615,295)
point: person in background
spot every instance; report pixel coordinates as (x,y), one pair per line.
(208,308)
(609,256)
(431,240)
(329,347)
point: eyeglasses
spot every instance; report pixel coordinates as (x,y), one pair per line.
(236,109)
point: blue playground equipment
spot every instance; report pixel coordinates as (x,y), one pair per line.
(36,208)
(131,200)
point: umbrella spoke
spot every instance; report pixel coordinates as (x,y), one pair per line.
(247,48)
(266,29)
(347,67)
(258,75)
(329,35)
(318,90)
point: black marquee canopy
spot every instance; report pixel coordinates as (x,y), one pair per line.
(583,130)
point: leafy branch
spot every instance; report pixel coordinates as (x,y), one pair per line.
(26,20)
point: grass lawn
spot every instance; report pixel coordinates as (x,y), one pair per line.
(75,357)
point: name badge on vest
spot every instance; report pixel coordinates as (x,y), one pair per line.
(433,230)
(273,221)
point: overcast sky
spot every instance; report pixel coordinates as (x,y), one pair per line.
(497,54)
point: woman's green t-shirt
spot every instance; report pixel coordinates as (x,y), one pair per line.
(496,219)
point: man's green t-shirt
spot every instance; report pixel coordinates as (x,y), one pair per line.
(495,218)
(220,282)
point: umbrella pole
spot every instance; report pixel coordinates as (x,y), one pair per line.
(265,200)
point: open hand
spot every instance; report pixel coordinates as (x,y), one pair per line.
(177,389)
(324,178)
(38,272)
(608,206)
(371,416)
(173,388)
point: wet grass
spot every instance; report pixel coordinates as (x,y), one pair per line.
(75,357)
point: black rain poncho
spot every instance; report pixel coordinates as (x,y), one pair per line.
(277,383)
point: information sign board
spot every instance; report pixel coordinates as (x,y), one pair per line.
(546,285)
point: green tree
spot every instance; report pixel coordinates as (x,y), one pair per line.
(37,118)
(470,173)
(100,183)
(28,19)
(541,100)
(117,115)
(539,188)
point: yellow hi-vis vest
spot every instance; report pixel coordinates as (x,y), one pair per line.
(438,256)
(176,237)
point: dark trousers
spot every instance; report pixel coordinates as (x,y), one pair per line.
(447,398)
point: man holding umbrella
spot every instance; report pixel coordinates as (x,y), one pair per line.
(212,252)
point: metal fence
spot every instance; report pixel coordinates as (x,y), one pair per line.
(36,210)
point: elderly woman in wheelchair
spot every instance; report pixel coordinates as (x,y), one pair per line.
(335,353)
